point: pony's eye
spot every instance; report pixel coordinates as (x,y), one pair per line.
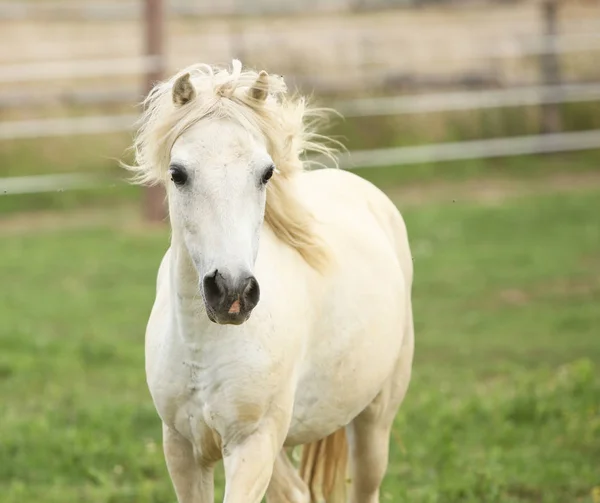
(178,175)
(268,174)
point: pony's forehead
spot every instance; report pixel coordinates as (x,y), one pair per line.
(223,139)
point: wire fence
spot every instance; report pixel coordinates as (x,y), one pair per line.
(83,68)
(364,107)
(375,158)
(468,100)
(540,95)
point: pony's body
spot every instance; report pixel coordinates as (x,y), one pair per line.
(310,336)
(323,351)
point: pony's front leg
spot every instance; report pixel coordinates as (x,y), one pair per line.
(286,486)
(193,481)
(249,466)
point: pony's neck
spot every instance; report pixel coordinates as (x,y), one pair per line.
(189,310)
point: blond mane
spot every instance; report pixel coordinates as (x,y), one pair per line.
(288,124)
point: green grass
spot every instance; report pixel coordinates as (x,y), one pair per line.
(504,405)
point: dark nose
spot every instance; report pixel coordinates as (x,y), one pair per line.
(230,299)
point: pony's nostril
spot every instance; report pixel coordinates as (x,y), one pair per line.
(214,290)
(251,293)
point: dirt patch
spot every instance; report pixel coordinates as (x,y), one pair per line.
(567,287)
(125,217)
(491,191)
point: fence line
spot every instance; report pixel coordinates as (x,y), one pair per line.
(123,9)
(49,70)
(90,96)
(78,68)
(131,9)
(560,44)
(41,128)
(437,102)
(473,149)
(49,183)
(437,152)
(563,43)
(412,103)
(468,100)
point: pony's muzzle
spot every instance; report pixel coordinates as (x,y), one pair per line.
(229,299)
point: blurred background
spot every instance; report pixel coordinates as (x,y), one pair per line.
(480,119)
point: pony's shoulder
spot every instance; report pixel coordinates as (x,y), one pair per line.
(339,183)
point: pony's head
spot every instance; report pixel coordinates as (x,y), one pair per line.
(227,146)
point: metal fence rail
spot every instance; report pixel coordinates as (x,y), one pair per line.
(49,70)
(469,100)
(437,152)
(78,68)
(41,128)
(473,149)
(50,183)
(435,102)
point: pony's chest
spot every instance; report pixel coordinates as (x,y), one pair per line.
(174,388)
(184,407)
(201,392)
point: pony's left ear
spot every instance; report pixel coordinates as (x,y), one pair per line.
(260,88)
(183,90)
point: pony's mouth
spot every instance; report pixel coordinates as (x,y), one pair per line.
(227,318)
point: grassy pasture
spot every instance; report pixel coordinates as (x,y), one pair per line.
(503,407)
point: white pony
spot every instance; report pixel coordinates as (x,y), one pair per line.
(283,306)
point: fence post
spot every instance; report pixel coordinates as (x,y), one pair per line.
(154,197)
(550,66)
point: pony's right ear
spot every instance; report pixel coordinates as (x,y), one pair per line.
(260,89)
(183,90)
